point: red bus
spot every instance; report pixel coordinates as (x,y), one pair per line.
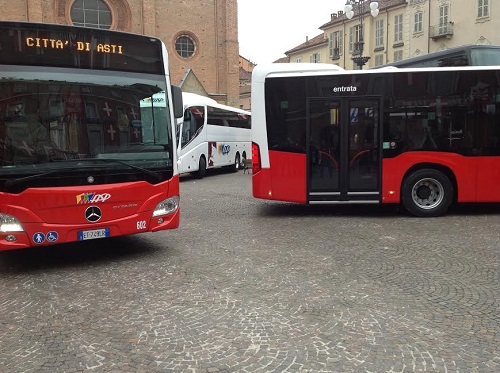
(421,137)
(81,154)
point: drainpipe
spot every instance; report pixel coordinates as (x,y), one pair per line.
(429,30)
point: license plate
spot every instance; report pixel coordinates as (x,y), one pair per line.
(93,234)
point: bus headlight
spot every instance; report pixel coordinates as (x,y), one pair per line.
(167,207)
(9,223)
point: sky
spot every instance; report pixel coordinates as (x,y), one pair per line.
(269,28)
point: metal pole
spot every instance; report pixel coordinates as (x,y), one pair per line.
(360,60)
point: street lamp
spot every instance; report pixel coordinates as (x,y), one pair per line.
(360,60)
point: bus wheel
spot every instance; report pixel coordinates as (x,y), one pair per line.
(243,160)
(427,193)
(202,168)
(237,163)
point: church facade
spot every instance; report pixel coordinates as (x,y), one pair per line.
(201,36)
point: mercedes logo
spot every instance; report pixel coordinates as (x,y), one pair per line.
(93,214)
(90,179)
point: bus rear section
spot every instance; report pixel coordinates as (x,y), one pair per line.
(423,138)
(84,152)
(212,135)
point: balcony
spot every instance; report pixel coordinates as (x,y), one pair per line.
(444,30)
(358,47)
(335,55)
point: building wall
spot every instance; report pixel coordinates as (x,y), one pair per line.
(305,51)
(246,68)
(212,24)
(467,29)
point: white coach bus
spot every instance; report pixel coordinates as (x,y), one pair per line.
(211,135)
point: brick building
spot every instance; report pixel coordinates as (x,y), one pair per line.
(201,35)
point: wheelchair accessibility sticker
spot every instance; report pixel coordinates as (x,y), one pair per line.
(40,237)
(52,236)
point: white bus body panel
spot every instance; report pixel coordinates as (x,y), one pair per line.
(216,152)
(189,160)
(219,145)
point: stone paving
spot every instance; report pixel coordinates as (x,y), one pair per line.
(252,286)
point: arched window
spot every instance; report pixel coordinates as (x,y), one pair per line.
(91,13)
(185,46)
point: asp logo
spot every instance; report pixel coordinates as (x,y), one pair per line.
(224,148)
(85,198)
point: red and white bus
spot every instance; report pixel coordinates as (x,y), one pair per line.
(82,153)
(422,137)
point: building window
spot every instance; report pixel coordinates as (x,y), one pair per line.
(443,19)
(398,29)
(379,33)
(483,9)
(379,59)
(298,60)
(336,44)
(398,56)
(185,46)
(91,13)
(315,58)
(418,25)
(354,36)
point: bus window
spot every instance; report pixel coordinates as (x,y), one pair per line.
(193,122)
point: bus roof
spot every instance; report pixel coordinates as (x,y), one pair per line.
(192,99)
(444,58)
(261,71)
(323,70)
(189,98)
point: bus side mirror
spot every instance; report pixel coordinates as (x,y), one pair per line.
(177,101)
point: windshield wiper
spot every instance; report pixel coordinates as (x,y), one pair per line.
(12,182)
(110,160)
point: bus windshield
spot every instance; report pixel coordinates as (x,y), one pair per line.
(49,116)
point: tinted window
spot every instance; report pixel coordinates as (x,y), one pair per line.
(456,111)
(286,114)
(194,118)
(459,113)
(221,117)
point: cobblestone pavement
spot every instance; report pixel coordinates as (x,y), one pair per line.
(252,286)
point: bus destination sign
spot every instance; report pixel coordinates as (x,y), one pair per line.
(78,45)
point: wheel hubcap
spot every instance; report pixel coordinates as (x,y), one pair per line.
(428,193)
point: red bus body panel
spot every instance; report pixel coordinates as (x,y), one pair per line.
(126,209)
(284,180)
(477,178)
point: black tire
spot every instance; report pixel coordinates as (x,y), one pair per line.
(427,193)
(237,163)
(243,160)
(202,168)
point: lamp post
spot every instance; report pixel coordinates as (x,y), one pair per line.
(349,8)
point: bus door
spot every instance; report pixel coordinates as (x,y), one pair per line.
(344,157)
